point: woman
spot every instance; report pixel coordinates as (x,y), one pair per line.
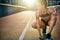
(45,17)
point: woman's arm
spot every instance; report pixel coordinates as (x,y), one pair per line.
(37,18)
(37,21)
(52,21)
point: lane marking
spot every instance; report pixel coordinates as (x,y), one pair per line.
(24,31)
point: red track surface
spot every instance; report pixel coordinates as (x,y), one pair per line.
(13,25)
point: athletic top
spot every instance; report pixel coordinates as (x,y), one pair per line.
(48,15)
(45,16)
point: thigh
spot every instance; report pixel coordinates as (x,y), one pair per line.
(41,24)
(51,20)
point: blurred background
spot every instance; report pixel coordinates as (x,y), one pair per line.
(11,9)
(16,17)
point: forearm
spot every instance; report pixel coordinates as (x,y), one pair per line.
(52,23)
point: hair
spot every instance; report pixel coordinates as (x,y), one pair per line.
(43,2)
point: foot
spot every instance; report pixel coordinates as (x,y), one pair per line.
(49,37)
(44,35)
(41,38)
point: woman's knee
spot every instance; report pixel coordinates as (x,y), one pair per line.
(34,25)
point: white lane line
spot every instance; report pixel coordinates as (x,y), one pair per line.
(24,31)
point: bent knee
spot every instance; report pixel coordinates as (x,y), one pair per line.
(34,25)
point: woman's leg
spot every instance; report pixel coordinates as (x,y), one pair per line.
(34,25)
(44,32)
(51,23)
